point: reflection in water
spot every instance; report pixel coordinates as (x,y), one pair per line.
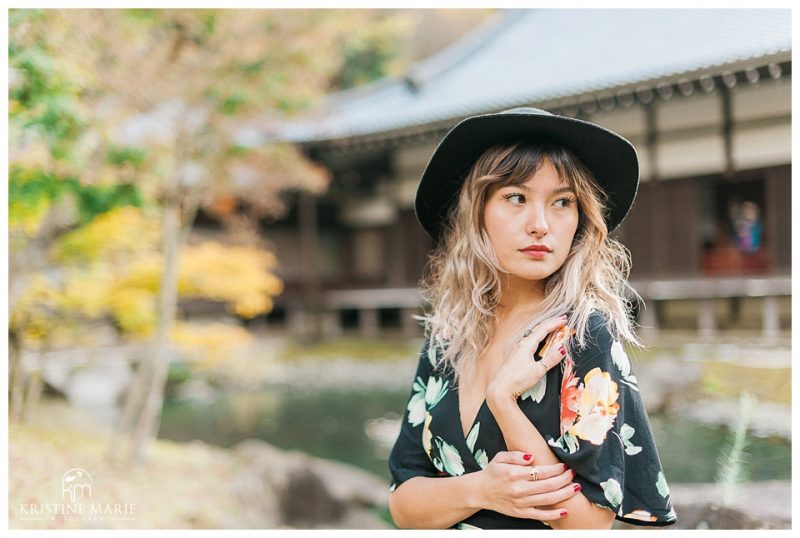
(359,427)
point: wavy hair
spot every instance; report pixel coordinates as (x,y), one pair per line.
(463,278)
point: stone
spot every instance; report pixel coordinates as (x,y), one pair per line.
(291,489)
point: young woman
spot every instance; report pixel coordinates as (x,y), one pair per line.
(524,412)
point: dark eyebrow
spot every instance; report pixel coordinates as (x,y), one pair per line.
(556,191)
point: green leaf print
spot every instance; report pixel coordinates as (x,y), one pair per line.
(626,432)
(536,392)
(482,458)
(620,359)
(612,491)
(567,442)
(473,436)
(661,485)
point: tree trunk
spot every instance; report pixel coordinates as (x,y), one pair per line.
(157,365)
(16,376)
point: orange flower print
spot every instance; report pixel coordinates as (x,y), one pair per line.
(597,407)
(588,409)
(570,395)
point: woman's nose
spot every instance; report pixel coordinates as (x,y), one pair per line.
(537,221)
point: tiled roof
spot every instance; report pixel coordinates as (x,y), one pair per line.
(538,55)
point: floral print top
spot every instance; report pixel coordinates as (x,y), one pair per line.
(589,410)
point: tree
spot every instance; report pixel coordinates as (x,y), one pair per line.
(150,108)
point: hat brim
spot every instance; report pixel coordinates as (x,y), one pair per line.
(611,158)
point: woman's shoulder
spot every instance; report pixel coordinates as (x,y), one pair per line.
(598,338)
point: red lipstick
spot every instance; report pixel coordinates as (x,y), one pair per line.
(536,251)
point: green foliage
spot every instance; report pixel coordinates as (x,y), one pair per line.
(123,155)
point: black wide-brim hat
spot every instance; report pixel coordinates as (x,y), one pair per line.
(610,157)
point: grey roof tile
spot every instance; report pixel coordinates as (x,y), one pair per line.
(540,54)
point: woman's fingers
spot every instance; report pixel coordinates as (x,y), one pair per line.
(543,472)
(513,457)
(546,327)
(550,481)
(551,497)
(543,515)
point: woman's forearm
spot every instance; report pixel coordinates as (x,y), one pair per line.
(520,434)
(435,503)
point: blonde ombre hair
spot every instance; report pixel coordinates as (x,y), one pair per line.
(463,277)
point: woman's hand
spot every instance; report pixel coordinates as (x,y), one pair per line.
(507,486)
(520,371)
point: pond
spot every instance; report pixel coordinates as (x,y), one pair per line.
(360,427)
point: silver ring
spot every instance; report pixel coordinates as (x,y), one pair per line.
(534,473)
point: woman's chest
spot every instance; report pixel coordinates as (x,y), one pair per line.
(458,444)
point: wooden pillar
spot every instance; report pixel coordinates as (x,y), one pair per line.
(771,322)
(331,327)
(706,323)
(368,322)
(309,265)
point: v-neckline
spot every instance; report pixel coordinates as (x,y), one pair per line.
(460,417)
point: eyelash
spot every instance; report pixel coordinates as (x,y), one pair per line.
(568,201)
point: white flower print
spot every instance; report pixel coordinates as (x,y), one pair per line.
(416,404)
(425,397)
(451,459)
(435,391)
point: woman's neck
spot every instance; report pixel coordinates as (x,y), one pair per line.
(519,298)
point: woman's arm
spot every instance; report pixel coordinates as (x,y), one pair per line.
(504,486)
(520,434)
(434,503)
(518,373)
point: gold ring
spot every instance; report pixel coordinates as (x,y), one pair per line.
(534,473)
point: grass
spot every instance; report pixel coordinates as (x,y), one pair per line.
(355,349)
(727,380)
(183,486)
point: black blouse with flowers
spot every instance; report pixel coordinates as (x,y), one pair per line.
(589,410)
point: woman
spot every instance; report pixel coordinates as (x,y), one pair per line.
(524,412)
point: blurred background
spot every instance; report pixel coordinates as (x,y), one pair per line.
(213,254)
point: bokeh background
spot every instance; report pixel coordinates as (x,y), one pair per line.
(214,258)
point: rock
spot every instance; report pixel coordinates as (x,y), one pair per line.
(756,505)
(290,489)
(664,382)
(198,390)
(714,516)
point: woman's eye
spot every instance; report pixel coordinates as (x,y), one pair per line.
(564,202)
(515,198)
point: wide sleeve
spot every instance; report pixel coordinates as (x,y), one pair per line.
(605,434)
(409,458)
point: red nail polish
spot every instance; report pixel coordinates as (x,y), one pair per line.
(564,467)
(527,457)
(577,488)
(563,513)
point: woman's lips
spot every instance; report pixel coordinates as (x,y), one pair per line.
(535,254)
(535,251)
